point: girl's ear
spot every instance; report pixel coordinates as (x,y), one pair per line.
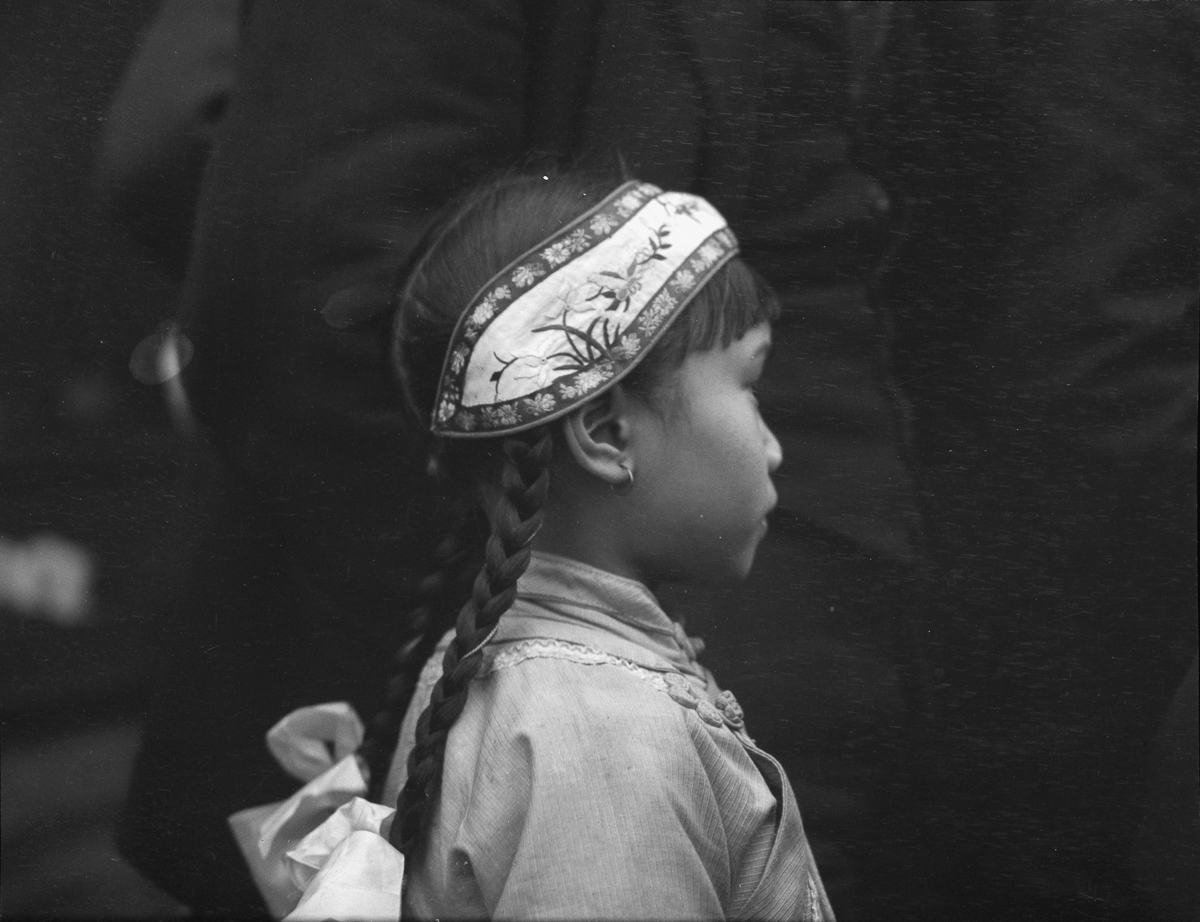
(597,435)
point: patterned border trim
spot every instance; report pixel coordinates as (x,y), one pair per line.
(512,655)
(602,353)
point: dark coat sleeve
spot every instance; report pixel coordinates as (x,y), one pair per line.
(1049,313)
(348,125)
(161,121)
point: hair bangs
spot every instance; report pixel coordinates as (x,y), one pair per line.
(732,303)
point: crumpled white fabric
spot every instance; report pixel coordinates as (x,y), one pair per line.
(348,869)
(322,853)
(301,741)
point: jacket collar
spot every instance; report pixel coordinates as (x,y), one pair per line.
(568,600)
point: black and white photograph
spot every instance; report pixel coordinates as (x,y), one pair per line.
(599,459)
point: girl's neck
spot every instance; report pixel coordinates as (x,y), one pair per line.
(588,541)
(583,523)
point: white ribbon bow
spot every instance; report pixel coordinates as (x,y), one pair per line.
(302,741)
(347,868)
(323,852)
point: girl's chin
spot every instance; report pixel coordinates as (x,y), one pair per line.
(716,566)
(738,567)
(752,551)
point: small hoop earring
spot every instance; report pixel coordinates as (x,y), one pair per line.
(625,488)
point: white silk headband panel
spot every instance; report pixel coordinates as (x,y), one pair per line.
(576,313)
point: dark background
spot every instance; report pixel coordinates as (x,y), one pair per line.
(86,453)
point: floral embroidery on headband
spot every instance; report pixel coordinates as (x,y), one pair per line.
(524,276)
(579,311)
(557,253)
(540,404)
(603,223)
(628,347)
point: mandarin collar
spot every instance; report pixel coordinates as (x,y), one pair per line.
(565,598)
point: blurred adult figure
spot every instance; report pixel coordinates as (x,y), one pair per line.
(163,120)
(830,134)
(346,127)
(1047,312)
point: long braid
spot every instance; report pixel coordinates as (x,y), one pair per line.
(437,594)
(524,482)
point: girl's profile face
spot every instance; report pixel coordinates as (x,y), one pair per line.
(704,461)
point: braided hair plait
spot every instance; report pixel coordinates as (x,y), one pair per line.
(438,594)
(524,483)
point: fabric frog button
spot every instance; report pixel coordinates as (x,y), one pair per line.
(681,691)
(731,711)
(709,714)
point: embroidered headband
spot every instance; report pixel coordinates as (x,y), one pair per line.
(574,315)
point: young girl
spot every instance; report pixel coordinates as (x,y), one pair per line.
(586,360)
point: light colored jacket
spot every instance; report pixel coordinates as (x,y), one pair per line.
(597,771)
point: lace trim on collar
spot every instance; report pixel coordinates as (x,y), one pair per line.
(549,648)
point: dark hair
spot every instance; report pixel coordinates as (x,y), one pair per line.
(460,252)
